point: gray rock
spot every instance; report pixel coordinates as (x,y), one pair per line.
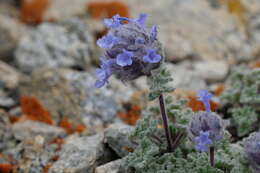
(185,77)
(111,167)
(54,11)
(71,94)
(33,155)
(29,129)
(64,44)
(212,70)
(116,136)
(6,102)
(10,34)
(9,76)
(6,135)
(81,155)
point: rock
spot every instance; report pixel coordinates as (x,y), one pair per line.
(9,76)
(212,70)
(6,102)
(116,136)
(6,135)
(29,129)
(64,44)
(10,35)
(111,167)
(33,155)
(81,155)
(71,94)
(186,77)
(194,28)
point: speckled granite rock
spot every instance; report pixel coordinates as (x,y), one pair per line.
(30,129)
(9,75)
(10,35)
(116,136)
(71,94)
(112,167)
(33,155)
(64,44)
(185,77)
(82,155)
(6,136)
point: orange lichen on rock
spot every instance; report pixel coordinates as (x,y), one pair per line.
(66,125)
(255,65)
(80,128)
(196,105)
(6,168)
(102,9)
(33,110)
(236,8)
(69,128)
(32,11)
(219,89)
(131,116)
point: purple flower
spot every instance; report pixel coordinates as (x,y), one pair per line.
(131,46)
(114,22)
(141,19)
(206,122)
(202,141)
(153,33)
(139,40)
(204,96)
(103,73)
(124,58)
(151,56)
(252,151)
(107,42)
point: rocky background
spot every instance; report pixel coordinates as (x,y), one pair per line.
(53,119)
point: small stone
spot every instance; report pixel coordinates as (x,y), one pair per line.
(6,135)
(186,77)
(111,167)
(116,136)
(212,70)
(81,155)
(10,35)
(29,129)
(64,44)
(33,155)
(9,76)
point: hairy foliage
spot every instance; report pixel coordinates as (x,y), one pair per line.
(243,94)
(159,82)
(150,156)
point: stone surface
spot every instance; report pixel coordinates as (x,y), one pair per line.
(29,129)
(212,70)
(10,35)
(64,44)
(6,135)
(116,136)
(111,167)
(81,155)
(9,75)
(185,77)
(71,94)
(33,155)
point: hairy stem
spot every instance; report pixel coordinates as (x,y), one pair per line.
(165,122)
(211,156)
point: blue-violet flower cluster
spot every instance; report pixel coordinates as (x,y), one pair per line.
(205,127)
(252,151)
(131,49)
(202,141)
(204,96)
